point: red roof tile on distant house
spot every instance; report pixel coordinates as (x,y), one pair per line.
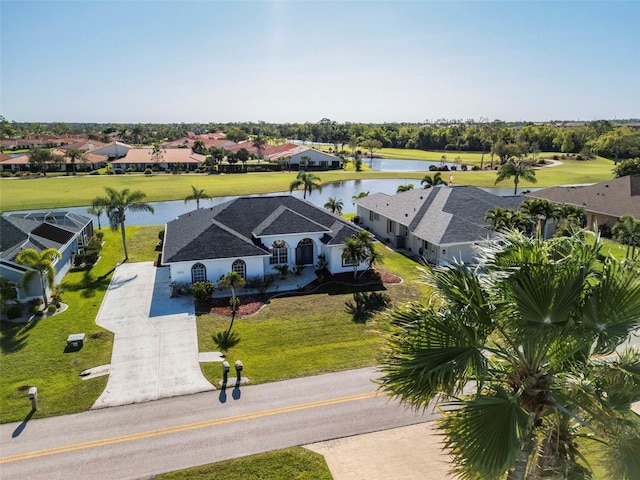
(169,155)
(288,152)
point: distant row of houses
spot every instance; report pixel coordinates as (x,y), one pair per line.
(176,154)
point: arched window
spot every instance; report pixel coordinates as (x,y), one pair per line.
(279,253)
(198,273)
(240,267)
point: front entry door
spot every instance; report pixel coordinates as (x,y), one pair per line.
(304,254)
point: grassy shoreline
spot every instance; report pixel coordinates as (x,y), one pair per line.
(64,191)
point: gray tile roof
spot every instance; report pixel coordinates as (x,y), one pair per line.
(441,215)
(37,230)
(234,229)
(615,197)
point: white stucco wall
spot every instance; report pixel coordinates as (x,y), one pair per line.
(181,271)
(292,242)
(316,158)
(112,151)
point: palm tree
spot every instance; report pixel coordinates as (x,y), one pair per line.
(232,280)
(498,217)
(359,248)
(334,205)
(517,170)
(513,349)
(404,188)
(41,263)
(308,181)
(97,211)
(429,182)
(539,210)
(73,155)
(116,205)
(196,195)
(259,143)
(627,230)
(360,195)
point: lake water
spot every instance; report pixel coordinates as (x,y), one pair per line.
(344,190)
(401,165)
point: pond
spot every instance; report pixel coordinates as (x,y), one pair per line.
(344,190)
(402,165)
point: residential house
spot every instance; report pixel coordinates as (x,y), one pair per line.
(302,157)
(113,150)
(89,162)
(604,202)
(68,232)
(440,224)
(252,236)
(139,159)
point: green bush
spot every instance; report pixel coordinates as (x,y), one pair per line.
(5,173)
(99,235)
(148,171)
(365,305)
(202,290)
(52,308)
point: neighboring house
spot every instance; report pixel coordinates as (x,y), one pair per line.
(21,163)
(441,224)
(112,150)
(139,159)
(301,157)
(68,232)
(253,235)
(604,202)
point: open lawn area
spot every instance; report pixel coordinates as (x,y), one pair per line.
(290,463)
(308,334)
(33,354)
(67,191)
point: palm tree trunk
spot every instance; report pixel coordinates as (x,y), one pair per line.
(515,182)
(44,291)
(519,471)
(124,242)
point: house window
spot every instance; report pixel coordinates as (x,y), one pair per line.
(405,231)
(346,263)
(198,273)
(279,253)
(371,216)
(391,226)
(240,268)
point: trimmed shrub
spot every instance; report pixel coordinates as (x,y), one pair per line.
(148,171)
(52,308)
(202,290)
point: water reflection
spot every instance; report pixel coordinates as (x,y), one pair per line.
(343,190)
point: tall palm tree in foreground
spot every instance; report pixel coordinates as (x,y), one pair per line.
(41,264)
(308,181)
(196,195)
(525,354)
(116,203)
(518,170)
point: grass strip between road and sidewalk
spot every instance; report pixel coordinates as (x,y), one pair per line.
(289,463)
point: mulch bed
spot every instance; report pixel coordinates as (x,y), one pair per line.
(250,304)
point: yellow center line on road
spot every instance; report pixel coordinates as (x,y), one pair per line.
(182,428)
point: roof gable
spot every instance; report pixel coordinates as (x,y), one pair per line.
(285,221)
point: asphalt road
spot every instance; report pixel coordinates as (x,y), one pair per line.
(140,440)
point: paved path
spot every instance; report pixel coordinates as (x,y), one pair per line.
(155,350)
(141,440)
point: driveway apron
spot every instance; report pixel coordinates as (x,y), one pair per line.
(155,349)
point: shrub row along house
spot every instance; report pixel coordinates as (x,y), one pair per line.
(67,232)
(252,236)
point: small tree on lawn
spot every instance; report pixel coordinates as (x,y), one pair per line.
(359,248)
(41,264)
(232,280)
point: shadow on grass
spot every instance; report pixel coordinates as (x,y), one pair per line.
(90,284)
(14,335)
(22,426)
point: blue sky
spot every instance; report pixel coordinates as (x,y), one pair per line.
(295,61)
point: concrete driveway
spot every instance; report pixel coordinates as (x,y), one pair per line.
(155,350)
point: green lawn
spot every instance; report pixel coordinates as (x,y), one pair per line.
(287,464)
(67,191)
(33,354)
(308,334)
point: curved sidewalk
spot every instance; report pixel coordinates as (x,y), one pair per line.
(155,349)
